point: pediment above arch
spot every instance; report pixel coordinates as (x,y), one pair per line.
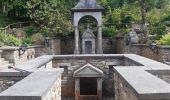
(88,70)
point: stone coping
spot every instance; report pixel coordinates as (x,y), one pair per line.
(36,84)
(147,45)
(146,85)
(140,79)
(89,56)
(14,48)
(148,63)
(141,61)
(29,66)
(35,63)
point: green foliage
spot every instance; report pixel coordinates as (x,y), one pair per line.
(9,40)
(158,29)
(54,16)
(27,40)
(4,21)
(50,15)
(109,31)
(31,30)
(165,40)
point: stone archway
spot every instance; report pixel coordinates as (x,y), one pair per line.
(88,83)
(87,8)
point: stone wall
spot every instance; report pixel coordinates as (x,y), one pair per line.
(161,53)
(122,90)
(55,91)
(59,46)
(13,55)
(44,84)
(68,79)
(103,63)
(67,46)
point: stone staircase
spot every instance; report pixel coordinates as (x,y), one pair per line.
(3,62)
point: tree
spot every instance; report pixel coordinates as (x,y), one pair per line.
(52,16)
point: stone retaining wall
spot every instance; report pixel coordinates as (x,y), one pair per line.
(71,63)
(123,90)
(13,55)
(161,53)
(54,92)
(66,46)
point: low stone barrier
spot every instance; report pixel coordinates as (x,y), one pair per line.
(41,85)
(13,55)
(149,82)
(160,53)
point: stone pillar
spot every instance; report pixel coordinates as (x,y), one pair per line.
(99,88)
(99,41)
(76,38)
(77,88)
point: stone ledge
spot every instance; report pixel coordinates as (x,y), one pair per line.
(148,63)
(36,85)
(14,48)
(146,85)
(35,63)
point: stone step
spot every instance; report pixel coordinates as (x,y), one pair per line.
(1,60)
(4,63)
(5,66)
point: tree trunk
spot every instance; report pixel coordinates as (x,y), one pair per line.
(144,27)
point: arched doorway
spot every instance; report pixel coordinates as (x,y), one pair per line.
(87,8)
(88,30)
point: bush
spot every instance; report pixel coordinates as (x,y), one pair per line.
(109,31)
(165,40)
(9,40)
(31,30)
(158,29)
(37,39)
(27,40)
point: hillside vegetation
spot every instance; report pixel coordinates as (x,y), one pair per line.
(54,16)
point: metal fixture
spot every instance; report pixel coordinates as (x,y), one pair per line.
(47,41)
(22,49)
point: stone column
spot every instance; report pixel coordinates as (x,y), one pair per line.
(76,38)
(99,88)
(99,41)
(77,88)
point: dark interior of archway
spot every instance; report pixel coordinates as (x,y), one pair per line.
(87,20)
(88,86)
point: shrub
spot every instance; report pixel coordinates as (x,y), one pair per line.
(109,31)
(31,30)
(165,40)
(8,39)
(37,39)
(27,40)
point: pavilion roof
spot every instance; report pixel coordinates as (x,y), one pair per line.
(87,5)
